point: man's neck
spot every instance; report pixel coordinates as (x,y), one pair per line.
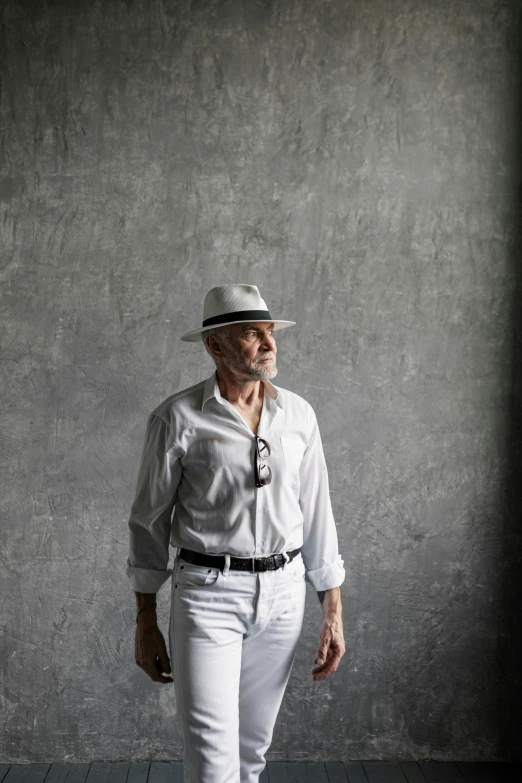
(245,394)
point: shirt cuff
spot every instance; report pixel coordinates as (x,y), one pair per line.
(147,580)
(329,576)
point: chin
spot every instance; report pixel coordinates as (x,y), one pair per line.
(265,370)
(270,371)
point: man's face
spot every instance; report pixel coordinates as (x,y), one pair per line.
(251,350)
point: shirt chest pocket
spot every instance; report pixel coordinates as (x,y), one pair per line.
(293,450)
(203,455)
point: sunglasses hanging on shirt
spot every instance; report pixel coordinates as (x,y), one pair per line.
(263,472)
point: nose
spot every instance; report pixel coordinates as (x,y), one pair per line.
(270,343)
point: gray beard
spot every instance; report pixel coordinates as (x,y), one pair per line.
(261,372)
(256,371)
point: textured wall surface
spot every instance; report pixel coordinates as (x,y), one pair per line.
(359,162)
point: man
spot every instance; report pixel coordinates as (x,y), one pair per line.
(240,462)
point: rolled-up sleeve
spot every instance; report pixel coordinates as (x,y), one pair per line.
(323,562)
(150,515)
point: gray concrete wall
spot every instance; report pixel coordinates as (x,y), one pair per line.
(359,162)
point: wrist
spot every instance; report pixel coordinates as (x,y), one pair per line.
(146,612)
(334,617)
(147,620)
(332,606)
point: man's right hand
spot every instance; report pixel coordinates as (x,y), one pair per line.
(150,650)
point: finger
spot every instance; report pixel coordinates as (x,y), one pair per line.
(161,678)
(164,660)
(325,652)
(321,676)
(159,670)
(332,659)
(328,668)
(152,671)
(323,671)
(321,666)
(329,665)
(320,671)
(323,662)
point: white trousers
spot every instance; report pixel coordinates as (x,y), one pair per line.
(233,637)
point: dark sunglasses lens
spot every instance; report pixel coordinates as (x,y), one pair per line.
(265,475)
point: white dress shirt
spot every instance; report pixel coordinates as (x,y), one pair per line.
(198,461)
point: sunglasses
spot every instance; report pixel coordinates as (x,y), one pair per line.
(263,472)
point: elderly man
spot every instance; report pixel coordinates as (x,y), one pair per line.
(233,475)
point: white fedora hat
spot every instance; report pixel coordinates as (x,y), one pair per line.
(232,304)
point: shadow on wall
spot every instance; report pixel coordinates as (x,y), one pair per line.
(510,625)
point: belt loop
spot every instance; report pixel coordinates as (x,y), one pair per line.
(226,567)
(286,559)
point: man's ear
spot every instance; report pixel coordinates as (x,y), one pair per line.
(216,343)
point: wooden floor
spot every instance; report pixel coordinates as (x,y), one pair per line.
(275,772)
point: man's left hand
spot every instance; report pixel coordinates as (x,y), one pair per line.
(331,648)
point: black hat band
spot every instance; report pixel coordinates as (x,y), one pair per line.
(239,315)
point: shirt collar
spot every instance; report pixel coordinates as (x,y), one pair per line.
(211,389)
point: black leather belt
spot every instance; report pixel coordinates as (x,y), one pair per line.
(268,563)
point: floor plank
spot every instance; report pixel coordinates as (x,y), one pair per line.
(159,772)
(37,773)
(4,769)
(57,773)
(277,772)
(489,772)
(77,773)
(412,772)
(355,772)
(119,772)
(336,772)
(177,772)
(441,772)
(165,772)
(16,773)
(475,772)
(296,772)
(316,772)
(138,772)
(383,772)
(98,772)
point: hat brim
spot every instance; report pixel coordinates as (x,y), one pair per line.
(194,336)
